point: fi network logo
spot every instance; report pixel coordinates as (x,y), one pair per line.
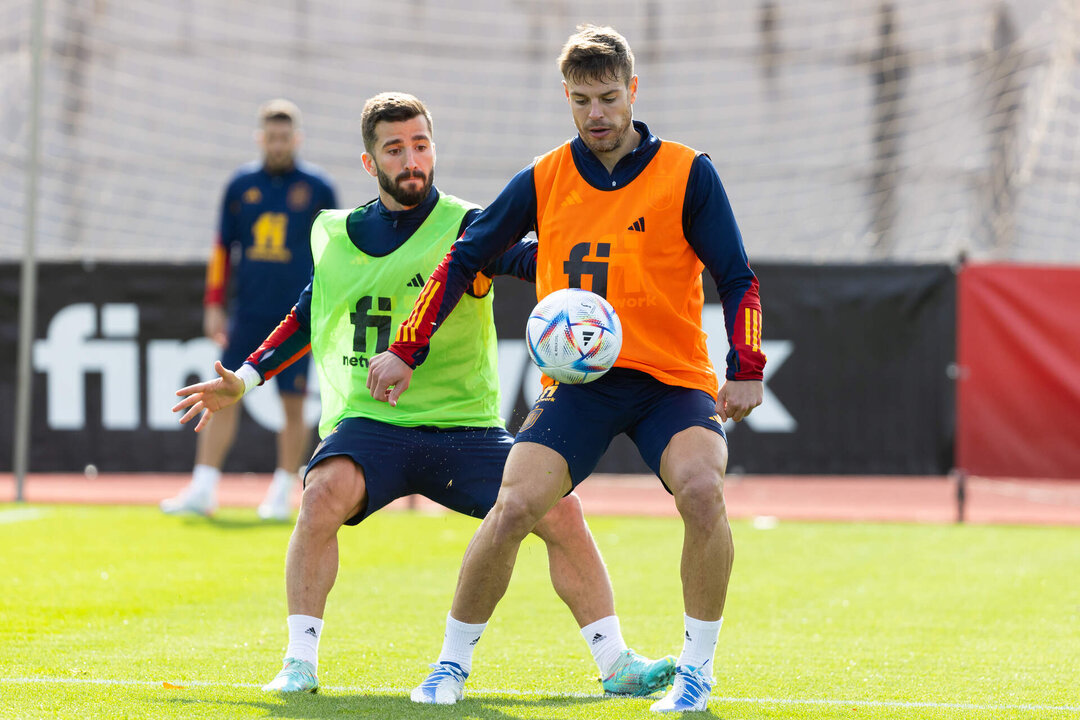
(137,376)
(70,350)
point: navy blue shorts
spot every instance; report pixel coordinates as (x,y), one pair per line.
(245,336)
(459,468)
(580,421)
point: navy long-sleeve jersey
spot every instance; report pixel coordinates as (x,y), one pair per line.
(263,238)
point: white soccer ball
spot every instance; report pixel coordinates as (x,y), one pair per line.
(573,336)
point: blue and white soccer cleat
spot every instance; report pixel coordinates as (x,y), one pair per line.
(638,676)
(444,686)
(295,676)
(690,692)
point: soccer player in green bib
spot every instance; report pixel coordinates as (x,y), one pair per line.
(445,441)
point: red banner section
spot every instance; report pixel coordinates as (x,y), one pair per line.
(1018,403)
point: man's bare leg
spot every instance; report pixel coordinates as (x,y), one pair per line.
(335,492)
(534,479)
(693,466)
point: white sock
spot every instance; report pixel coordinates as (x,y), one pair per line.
(459,642)
(605,641)
(304,634)
(699,643)
(204,479)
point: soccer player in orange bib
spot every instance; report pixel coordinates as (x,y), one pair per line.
(636,219)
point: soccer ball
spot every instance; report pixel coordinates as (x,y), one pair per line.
(573,336)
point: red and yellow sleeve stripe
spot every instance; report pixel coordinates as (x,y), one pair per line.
(749,360)
(753,329)
(408,330)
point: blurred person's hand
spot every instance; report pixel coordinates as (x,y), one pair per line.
(215,323)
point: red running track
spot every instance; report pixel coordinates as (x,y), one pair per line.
(830,498)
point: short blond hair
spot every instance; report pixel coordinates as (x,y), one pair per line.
(596,53)
(279,109)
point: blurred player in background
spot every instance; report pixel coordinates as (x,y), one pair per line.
(636,219)
(447,442)
(266,216)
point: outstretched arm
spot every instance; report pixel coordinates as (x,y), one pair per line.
(215,323)
(712,232)
(289,341)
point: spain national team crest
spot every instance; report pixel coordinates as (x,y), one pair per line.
(661,191)
(299,197)
(530,420)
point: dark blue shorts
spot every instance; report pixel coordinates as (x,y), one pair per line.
(459,468)
(246,335)
(580,421)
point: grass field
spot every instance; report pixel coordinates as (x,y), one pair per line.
(101,606)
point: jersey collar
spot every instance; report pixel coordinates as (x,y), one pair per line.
(628,167)
(414,215)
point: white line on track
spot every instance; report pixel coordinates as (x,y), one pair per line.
(532,693)
(19,514)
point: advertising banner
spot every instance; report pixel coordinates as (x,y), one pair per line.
(856,380)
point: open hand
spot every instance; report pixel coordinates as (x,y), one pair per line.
(209,396)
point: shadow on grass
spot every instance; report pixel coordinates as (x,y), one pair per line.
(399,707)
(237,523)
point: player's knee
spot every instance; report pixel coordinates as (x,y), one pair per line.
(316,506)
(333,494)
(565,520)
(567,511)
(514,518)
(700,498)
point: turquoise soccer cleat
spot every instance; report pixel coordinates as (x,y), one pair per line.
(638,676)
(689,693)
(295,676)
(444,686)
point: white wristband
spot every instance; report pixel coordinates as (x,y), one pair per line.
(250,376)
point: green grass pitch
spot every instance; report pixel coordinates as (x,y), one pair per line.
(101,606)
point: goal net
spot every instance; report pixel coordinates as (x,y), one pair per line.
(844,130)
